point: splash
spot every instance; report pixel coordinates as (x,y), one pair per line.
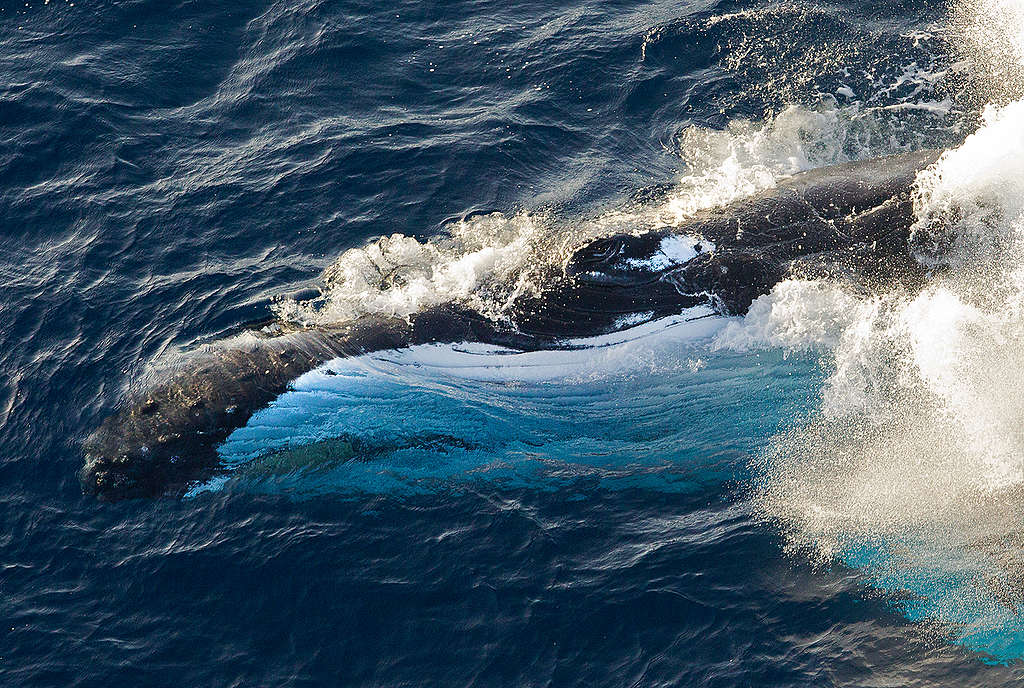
(991,36)
(746,157)
(912,469)
(488,261)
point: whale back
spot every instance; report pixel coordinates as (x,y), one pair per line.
(856,215)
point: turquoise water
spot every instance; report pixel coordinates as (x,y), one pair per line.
(660,412)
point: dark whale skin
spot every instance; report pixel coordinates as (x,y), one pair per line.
(854,216)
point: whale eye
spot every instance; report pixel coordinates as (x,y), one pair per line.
(599,251)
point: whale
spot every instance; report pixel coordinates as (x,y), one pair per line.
(853,220)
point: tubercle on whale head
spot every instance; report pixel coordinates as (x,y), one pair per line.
(166,437)
(151,448)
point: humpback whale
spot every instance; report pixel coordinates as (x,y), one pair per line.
(849,218)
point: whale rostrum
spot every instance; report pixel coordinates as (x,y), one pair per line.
(853,218)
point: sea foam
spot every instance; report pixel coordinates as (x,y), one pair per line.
(912,467)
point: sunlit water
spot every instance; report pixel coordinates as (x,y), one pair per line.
(824,493)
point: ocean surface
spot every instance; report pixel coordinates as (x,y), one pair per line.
(826,493)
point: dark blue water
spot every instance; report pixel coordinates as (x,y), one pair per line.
(168,169)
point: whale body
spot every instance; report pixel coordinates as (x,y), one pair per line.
(852,218)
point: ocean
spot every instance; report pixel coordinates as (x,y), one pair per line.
(826,492)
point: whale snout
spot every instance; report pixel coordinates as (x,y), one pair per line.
(119,466)
(136,454)
(133,475)
(109,479)
(115,469)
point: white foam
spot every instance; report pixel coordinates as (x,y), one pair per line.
(798,315)
(747,157)
(916,453)
(633,319)
(971,203)
(484,261)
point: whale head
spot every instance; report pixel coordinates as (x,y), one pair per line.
(144,451)
(166,436)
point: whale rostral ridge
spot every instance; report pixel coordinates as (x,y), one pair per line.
(854,218)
